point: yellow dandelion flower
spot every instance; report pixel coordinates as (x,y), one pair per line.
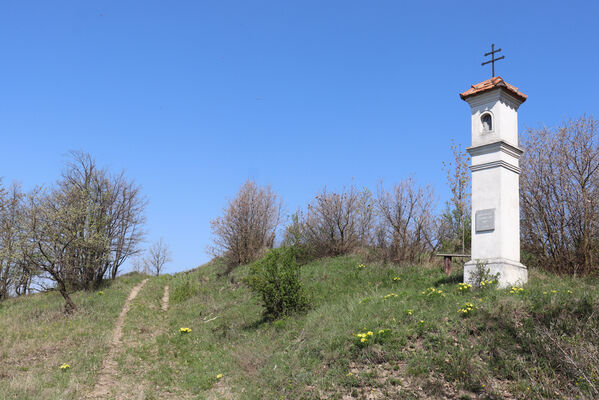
(219,376)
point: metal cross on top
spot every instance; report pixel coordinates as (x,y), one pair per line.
(493,59)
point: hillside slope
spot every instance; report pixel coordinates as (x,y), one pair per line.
(539,342)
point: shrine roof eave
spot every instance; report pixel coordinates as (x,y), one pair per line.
(496,82)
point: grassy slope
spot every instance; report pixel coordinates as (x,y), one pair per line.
(434,351)
(36,338)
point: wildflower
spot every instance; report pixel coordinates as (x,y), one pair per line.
(185,330)
(422,321)
(349,374)
(396,279)
(464,287)
(360,266)
(100,293)
(467,308)
(554,291)
(370,333)
(544,292)
(64,367)
(381,331)
(363,340)
(409,312)
(431,291)
(569,291)
(219,376)
(390,295)
(516,290)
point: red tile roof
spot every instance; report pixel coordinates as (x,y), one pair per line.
(489,84)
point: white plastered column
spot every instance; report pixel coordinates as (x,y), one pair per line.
(495,189)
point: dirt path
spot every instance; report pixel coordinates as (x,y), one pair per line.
(108,374)
(165,299)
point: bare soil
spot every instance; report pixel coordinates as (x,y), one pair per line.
(165,299)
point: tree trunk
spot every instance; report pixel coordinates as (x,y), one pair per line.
(69,306)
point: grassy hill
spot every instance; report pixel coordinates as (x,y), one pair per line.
(539,342)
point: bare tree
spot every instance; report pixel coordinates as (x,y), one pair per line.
(407,223)
(138,264)
(455,222)
(560,197)
(248,225)
(11,270)
(335,223)
(158,256)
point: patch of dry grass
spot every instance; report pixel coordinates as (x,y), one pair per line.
(36,337)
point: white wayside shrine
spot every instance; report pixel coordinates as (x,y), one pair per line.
(495,181)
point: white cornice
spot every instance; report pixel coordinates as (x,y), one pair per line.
(498,145)
(495,164)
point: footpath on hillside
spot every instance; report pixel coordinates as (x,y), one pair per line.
(165,299)
(108,374)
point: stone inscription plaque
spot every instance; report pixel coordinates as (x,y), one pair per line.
(485,220)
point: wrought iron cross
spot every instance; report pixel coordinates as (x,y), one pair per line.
(493,59)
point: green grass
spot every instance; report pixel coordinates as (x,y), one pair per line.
(534,344)
(431,351)
(36,337)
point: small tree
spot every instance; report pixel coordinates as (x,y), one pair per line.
(407,224)
(158,256)
(138,264)
(112,208)
(13,275)
(455,223)
(52,241)
(83,228)
(248,225)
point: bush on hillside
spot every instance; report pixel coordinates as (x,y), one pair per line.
(335,223)
(185,286)
(276,279)
(248,225)
(397,226)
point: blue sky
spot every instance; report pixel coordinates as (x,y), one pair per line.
(191,98)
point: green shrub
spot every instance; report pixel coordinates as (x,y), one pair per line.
(275,278)
(482,278)
(185,287)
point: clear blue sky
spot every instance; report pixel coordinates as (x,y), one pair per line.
(191,98)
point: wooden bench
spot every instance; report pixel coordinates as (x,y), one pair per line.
(447,260)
